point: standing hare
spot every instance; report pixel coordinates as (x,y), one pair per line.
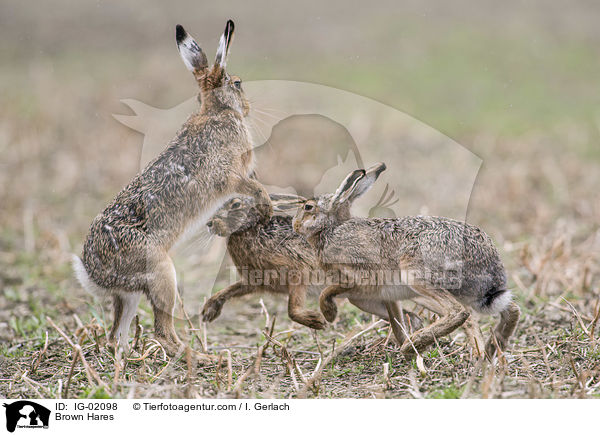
(210,159)
(444,265)
(271,257)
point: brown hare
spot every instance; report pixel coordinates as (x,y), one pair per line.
(276,259)
(269,256)
(125,254)
(442,264)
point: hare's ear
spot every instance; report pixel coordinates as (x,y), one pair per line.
(224,43)
(348,186)
(283,202)
(191,53)
(365,183)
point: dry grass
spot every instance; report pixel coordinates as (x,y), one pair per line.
(64,157)
(555,351)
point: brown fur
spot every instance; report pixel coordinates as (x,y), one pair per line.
(209,159)
(270,246)
(273,246)
(457,265)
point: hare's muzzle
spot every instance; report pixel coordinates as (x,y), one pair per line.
(216,227)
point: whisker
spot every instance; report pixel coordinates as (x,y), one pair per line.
(265,128)
(273,111)
(256,129)
(276,118)
(266,124)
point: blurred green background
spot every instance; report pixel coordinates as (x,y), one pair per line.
(462,67)
(481,72)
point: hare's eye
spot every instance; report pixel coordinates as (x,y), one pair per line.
(236,205)
(238,84)
(308,207)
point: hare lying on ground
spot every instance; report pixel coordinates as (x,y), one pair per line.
(271,257)
(444,265)
(126,252)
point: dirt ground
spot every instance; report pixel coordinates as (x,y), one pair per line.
(517,86)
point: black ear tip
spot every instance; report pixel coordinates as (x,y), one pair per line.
(180,33)
(229,26)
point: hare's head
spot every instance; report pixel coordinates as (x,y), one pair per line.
(240,213)
(237,214)
(218,90)
(314,215)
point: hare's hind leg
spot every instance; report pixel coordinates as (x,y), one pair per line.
(509,318)
(474,335)
(162,288)
(393,312)
(113,338)
(403,322)
(212,307)
(471,325)
(298,312)
(125,306)
(453,315)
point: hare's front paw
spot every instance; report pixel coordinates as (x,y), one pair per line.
(312,319)
(315,320)
(211,310)
(266,211)
(328,308)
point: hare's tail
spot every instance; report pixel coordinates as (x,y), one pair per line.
(495,300)
(84,278)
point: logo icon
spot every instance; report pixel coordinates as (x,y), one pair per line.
(26,414)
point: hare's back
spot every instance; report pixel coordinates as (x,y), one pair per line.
(448,239)
(271,246)
(454,255)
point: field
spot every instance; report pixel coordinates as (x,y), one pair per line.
(513,89)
